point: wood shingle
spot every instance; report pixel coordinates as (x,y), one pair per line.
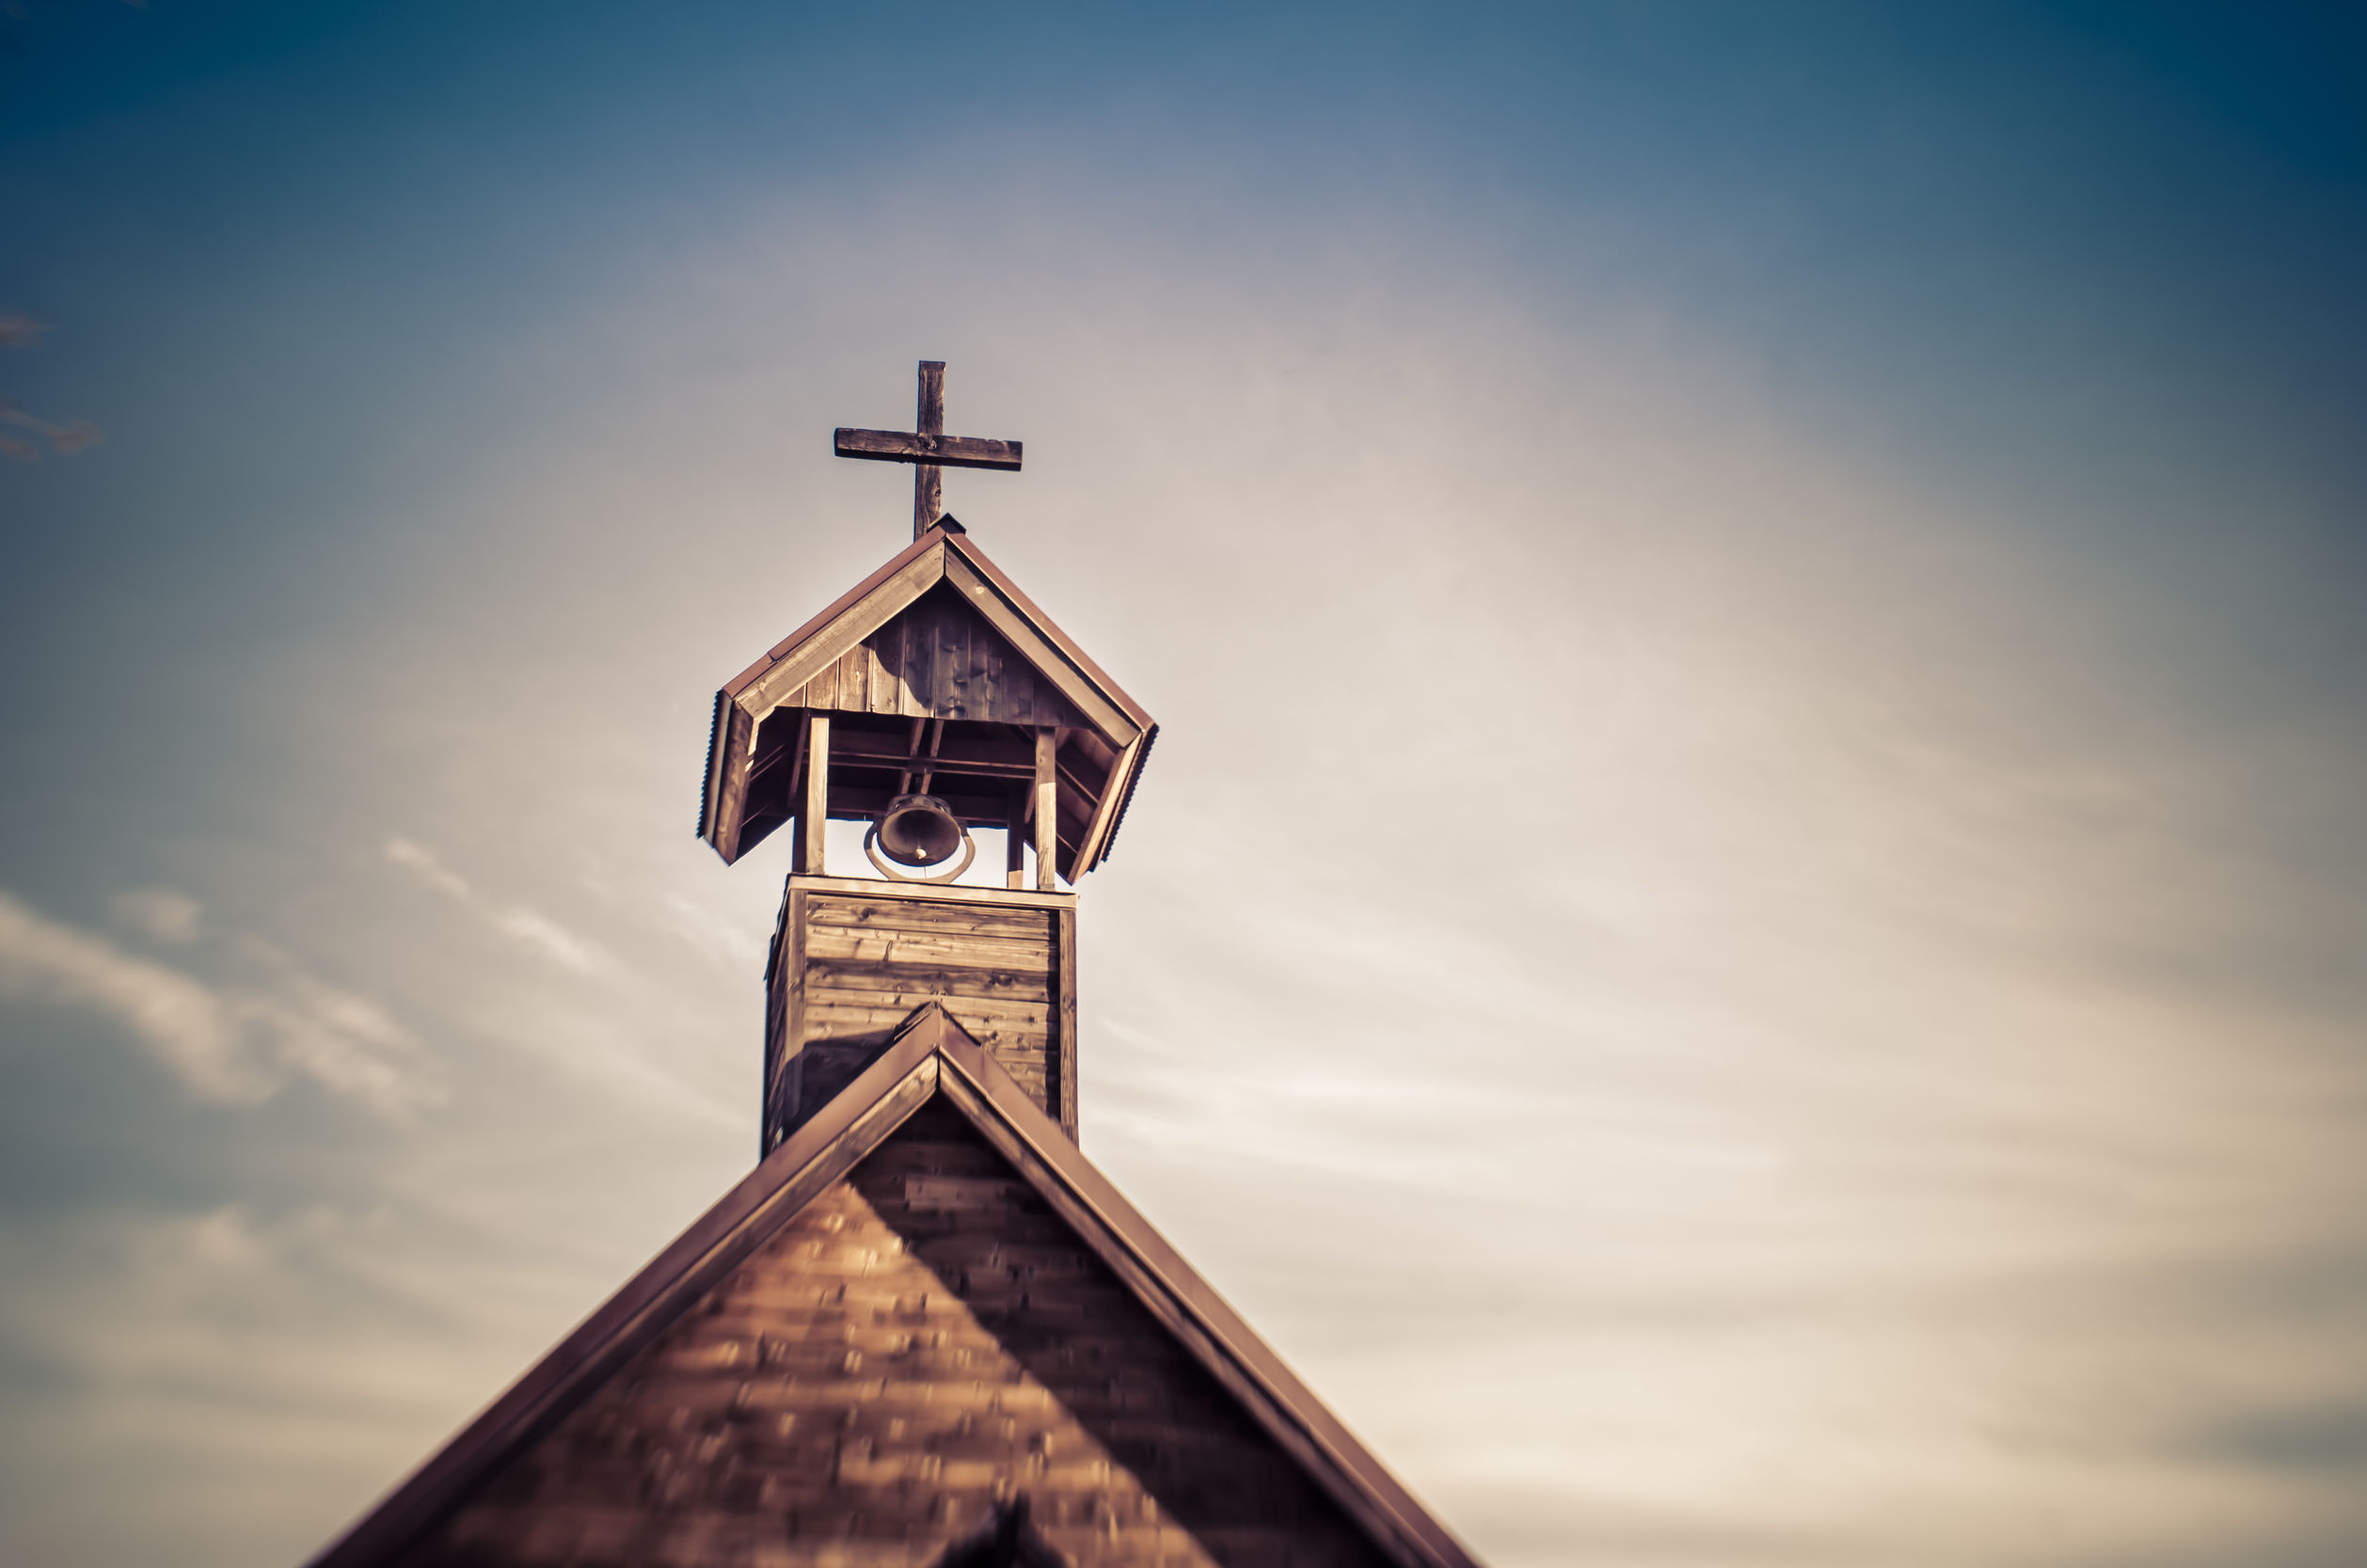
(925,1307)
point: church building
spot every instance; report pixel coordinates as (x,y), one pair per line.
(923,1332)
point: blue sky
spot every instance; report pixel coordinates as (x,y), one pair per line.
(1881,484)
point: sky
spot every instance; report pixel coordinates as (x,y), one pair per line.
(1746,941)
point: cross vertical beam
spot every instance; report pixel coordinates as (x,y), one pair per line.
(928,480)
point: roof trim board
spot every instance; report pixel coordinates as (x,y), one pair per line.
(1189,1306)
(1115,794)
(930,1057)
(759,691)
(836,608)
(967,549)
(934,558)
(825,1149)
(1115,725)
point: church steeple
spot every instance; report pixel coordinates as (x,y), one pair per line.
(931,700)
(925,1330)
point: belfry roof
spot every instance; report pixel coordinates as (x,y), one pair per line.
(931,1066)
(939,631)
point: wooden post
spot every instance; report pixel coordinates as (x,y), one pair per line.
(1047,809)
(813,817)
(785,1022)
(1064,1007)
(1015,842)
(928,480)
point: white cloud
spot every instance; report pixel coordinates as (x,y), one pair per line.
(235,1044)
(732,948)
(186,1026)
(528,927)
(160,913)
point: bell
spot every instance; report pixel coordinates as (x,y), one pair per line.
(919,830)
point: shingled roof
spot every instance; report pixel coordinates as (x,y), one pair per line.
(930,1069)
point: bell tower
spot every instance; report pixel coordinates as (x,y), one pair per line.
(930,702)
(925,1330)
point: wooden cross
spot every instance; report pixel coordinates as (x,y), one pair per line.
(930,447)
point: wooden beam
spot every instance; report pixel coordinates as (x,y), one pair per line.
(993,755)
(733,738)
(785,1009)
(1047,807)
(945,452)
(856,804)
(813,817)
(1064,1003)
(1015,842)
(761,691)
(1088,850)
(928,424)
(936,738)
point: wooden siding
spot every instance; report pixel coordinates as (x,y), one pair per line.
(925,1337)
(940,659)
(851,961)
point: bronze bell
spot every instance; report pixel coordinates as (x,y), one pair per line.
(919,830)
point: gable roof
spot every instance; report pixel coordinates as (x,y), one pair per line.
(945,560)
(931,1059)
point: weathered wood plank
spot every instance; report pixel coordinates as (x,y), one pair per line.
(738,734)
(945,452)
(854,944)
(774,685)
(838,998)
(932,979)
(865,956)
(988,656)
(1047,806)
(965,896)
(1064,1019)
(965,751)
(826,1017)
(912,697)
(1113,794)
(928,424)
(814,812)
(785,1097)
(1015,842)
(969,949)
(822,691)
(983,597)
(942,658)
(951,919)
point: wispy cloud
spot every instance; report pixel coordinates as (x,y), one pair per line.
(237,1044)
(528,927)
(19,330)
(160,914)
(64,439)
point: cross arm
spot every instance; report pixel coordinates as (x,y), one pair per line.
(946,451)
